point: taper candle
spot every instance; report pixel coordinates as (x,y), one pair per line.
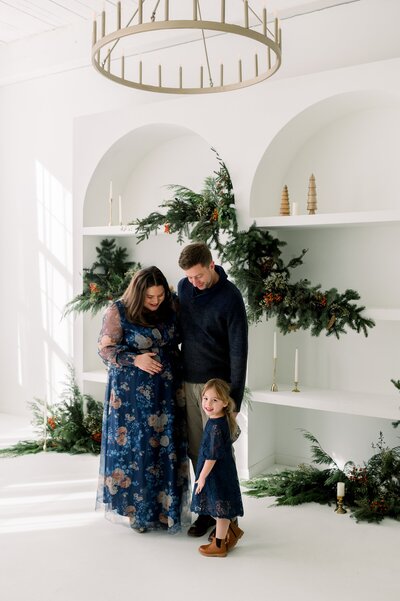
(45,425)
(120,209)
(296,366)
(275,347)
(294,208)
(340,489)
(110,212)
(110,190)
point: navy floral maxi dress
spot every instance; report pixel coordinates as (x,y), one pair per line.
(144,469)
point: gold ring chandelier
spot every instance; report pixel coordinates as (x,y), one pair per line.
(129,69)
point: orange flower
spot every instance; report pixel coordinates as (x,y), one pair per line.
(214,216)
(96,437)
(167,228)
(321,299)
(93,287)
(51,422)
(270,297)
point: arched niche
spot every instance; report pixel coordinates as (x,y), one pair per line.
(351,142)
(140,166)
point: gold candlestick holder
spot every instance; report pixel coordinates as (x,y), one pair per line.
(274,386)
(339,508)
(296,387)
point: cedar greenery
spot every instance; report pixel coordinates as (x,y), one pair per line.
(198,216)
(254,257)
(105,280)
(372,489)
(72,426)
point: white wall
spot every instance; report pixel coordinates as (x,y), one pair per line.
(40,101)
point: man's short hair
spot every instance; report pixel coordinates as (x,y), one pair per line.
(194,254)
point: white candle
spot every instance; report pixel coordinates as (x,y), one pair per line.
(296,366)
(294,208)
(275,347)
(110,211)
(120,209)
(45,424)
(340,489)
(110,190)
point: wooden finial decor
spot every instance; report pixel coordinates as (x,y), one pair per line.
(312,196)
(285,207)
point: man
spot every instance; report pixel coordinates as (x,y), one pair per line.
(214,342)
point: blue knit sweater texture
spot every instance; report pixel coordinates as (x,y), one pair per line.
(214,332)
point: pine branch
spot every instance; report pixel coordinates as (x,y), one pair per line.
(372,490)
(68,428)
(105,281)
(320,456)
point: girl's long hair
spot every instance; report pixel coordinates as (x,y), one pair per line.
(222,389)
(135,294)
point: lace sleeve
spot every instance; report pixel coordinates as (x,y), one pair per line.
(111,335)
(215,445)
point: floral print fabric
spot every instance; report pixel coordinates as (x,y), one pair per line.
(144,471)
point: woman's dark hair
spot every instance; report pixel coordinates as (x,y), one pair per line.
(134,297)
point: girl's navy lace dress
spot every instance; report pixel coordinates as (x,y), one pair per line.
(220,496)
(144,470)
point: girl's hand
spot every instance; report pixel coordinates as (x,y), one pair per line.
(147,363)
(200,484)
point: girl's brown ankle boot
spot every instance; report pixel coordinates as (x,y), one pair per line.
(212,550)
(234,533)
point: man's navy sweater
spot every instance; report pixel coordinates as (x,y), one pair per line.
(213,326)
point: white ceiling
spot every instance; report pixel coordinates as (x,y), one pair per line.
(23,18)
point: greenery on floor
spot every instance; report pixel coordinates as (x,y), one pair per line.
(71,426)
(372,490)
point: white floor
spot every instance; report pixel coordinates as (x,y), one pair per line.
(55,547)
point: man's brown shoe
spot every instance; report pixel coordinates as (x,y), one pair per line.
(201,525)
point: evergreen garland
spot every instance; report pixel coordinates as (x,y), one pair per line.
(198,216)
(255,262)
(304,306)
(372,489)
(72,426)
(106,280)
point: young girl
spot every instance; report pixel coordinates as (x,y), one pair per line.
(217,491)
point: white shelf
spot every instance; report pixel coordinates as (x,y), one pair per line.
(99,376)
(336,401)
(328,219)
(108,230)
